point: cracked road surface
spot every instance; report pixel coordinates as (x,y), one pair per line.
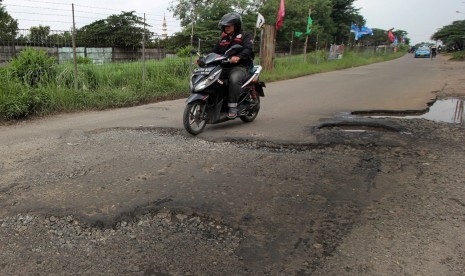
(117,192)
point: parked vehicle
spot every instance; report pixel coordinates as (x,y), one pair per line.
(208,101)
(423,51)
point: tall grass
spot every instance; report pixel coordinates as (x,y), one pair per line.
(121,84)
(286,68)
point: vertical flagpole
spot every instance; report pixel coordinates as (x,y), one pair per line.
(348,43)
(292,40)
(306,38)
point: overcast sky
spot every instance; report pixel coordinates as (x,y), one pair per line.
(420,18)
(58,14)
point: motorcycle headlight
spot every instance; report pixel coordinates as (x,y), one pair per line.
(208,81)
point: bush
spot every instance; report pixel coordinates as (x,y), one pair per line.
(87,78)
(33,67)
(458,56)
(83,60)
(14,106)
(184,52)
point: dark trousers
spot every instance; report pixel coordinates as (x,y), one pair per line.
(236,76)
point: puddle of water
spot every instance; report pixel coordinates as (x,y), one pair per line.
(446,110)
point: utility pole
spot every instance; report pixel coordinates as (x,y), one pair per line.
(74,51)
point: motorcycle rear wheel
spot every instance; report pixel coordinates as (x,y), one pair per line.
(251,115)
(194,119)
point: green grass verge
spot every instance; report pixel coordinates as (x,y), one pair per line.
(120,84)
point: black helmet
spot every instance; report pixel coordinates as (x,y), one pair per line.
(232,18)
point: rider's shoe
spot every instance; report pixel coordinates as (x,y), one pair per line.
(232,112)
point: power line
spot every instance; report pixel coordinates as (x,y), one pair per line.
(13,5)
(45,2)
(150,19)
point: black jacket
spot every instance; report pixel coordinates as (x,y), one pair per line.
(245,39)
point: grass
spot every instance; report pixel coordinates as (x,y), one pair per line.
(286,68)
(120,84)
(458,56)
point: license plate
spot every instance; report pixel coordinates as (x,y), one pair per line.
(202,71)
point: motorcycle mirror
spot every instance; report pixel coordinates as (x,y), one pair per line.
(233,50)
(194,52)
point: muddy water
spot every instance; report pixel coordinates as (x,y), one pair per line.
(445,110)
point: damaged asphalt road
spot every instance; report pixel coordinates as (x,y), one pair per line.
(148,201)
(127,192)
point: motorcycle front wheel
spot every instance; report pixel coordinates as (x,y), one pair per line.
(194,117)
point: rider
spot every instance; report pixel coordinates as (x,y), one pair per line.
(236,72)
(433,51)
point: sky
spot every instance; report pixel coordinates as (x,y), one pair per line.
(58,13)
(420,18)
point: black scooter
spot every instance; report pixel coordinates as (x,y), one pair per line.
(208,103)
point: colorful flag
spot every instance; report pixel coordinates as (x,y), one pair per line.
(309,23)
(353,28)
(260,21)
(281,13)
(359,32)
(391,36)
(298,34)
(366,31)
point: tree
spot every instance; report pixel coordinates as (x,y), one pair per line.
(323,28)
(331,18)
(61,40)
(453,35)
(39,35)
(343,15)
(205,15)
(8,27)
(125,30)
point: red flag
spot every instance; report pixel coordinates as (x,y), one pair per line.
(279,21)
(391,36)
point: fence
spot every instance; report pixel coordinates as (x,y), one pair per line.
(141,66)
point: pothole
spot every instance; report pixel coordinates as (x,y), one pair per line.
(353,123)
(443,110)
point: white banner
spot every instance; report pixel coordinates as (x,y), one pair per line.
(260,21)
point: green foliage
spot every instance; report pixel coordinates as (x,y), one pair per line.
(453,35)
(293,67)
(87,78)
(118,85)
(18,100)
(39,35)
(33,67)
(459,56)
(125,30)
(184,52)
(8,26)
(83,60)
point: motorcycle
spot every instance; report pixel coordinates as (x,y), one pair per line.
(208,102)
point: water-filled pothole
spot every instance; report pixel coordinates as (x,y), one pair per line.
(444,110)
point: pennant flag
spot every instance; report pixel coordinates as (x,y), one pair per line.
(260,21)
(309,23)
(298,34)
(281,13)
(395,41)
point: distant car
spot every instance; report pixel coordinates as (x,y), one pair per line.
(423,52)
